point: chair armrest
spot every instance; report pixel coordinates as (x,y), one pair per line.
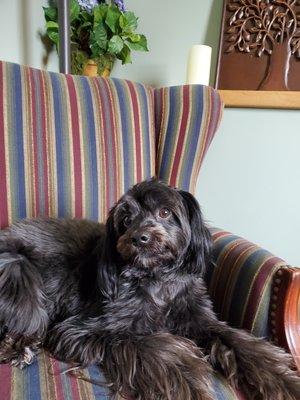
(285,311)
(254,290)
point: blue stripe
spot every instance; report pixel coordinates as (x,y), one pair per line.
(87,104)
(193,135)
(145,107)
(17,122)
(100,391)
(222,390)
(62,187)
(174,95)
(126,133)
(32,381)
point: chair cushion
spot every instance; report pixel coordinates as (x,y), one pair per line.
(70,145)
(45,380)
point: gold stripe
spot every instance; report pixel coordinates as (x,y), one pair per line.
(68,138)
(96,113)
(51,147)
(18,384)
(102,178)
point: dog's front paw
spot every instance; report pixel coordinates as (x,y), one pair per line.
(16,352)
(25,358)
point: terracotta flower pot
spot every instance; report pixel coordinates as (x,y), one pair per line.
(91,69)
(100,66)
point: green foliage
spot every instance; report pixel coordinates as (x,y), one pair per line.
(106,30)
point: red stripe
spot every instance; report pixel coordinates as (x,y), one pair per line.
(256,290)
(3,187)
(74,388)
(46,190)
(6,380)
(76,146)
(57,380)
(35,145)
(137,132)
(181,136)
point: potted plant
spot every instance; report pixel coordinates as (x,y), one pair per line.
(101,32)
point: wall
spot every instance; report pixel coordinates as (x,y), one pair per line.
(250,180)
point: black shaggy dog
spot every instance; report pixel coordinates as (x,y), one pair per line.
(131,297)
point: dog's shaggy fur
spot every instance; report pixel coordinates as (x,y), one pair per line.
(130,296)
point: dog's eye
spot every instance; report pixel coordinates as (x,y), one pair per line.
(164,213)
(127,221)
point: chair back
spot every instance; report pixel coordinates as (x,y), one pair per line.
(70,146)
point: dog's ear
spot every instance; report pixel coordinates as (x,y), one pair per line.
(108,267)
(198,255)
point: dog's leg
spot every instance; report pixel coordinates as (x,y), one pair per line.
(160,366)
(22,314)
(263,371)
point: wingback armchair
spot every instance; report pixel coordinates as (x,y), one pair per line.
(70,146)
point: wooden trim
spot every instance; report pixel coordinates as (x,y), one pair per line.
(284,311)
(292,315)
(261,99)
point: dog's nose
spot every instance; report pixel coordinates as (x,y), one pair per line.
(140,239)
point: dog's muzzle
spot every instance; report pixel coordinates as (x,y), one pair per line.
(139,239)
(145,245)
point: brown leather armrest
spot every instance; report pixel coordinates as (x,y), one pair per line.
(285,311)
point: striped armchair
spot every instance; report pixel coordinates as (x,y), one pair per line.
(70,146)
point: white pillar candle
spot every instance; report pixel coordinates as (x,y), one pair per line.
(198,66)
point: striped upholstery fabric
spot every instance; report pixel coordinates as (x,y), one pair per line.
(240,283)
(69,145)
(187,118)
(45,380)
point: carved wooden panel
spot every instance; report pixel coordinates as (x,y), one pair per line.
(260,45)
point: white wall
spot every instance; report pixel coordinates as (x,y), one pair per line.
(250,180)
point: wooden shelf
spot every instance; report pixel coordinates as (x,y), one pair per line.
(261,99)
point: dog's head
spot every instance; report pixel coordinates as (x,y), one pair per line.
(156,227)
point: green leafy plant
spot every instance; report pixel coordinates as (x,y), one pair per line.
(100,30)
